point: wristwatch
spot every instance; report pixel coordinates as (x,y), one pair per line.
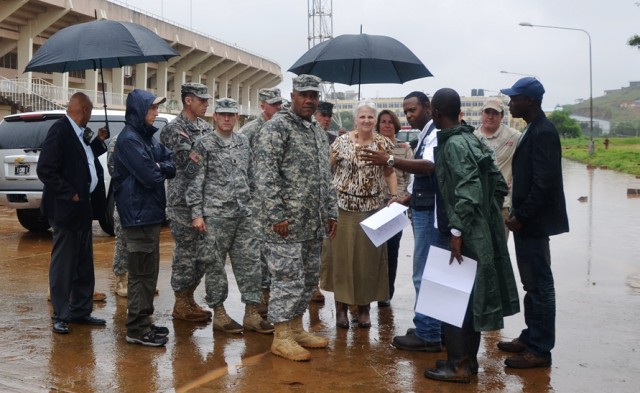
(391,161)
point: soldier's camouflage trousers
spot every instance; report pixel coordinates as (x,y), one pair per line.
(234,237)
(294,269)
(186,269)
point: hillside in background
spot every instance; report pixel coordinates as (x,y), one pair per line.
(621,107)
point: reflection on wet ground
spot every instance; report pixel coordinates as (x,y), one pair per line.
(597,276)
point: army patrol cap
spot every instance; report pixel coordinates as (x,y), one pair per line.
(326,108)
(306,82)
(270,96)
(197,89)
(226,105)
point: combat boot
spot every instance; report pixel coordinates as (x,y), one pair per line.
(253,321)
(305,338)
(122,284)
(285,346)
(182,309)
(223,322)
(194,305)
(263,308)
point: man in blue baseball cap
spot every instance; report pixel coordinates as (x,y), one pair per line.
(538,211)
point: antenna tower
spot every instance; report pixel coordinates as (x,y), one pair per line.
(320,28)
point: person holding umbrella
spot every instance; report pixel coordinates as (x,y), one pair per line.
(66,167)
(358,272)
(141,165)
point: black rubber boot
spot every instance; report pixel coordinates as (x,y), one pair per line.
(456,368)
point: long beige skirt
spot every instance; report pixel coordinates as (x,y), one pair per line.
(353,268)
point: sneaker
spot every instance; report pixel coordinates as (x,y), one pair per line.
(150,339)
(411,342)
(160,331)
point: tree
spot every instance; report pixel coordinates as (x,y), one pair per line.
(566,126)
(347,120)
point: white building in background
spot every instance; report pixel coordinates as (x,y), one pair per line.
(471,107)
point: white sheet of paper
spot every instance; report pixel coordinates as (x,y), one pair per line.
(445,289)
(386,223)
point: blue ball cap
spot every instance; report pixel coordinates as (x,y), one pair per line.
(529,87)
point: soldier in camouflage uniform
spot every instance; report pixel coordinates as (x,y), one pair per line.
(120,248)
(270,101)
(219,194)
(298,211)
(187,269)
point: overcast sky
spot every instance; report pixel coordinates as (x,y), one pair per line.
(464,43)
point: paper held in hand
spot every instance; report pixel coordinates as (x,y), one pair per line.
(445,288)
(386,223)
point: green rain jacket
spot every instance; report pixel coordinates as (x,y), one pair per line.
(473,190)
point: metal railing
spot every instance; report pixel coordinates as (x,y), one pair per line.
(20,94)
(37,94)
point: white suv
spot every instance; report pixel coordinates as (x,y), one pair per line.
(21,137)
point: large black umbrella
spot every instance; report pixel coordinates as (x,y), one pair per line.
(100,44)
(361,58)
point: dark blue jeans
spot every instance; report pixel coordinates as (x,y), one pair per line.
(534,264)
(425,235)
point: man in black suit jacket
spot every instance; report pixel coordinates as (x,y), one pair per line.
(67,168)
(538,211)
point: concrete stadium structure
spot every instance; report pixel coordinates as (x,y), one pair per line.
(26,24)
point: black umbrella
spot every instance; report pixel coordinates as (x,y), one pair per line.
(100,44)
(361,58)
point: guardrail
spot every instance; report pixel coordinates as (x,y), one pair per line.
(19,94)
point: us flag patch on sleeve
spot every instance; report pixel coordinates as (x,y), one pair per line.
(195,157)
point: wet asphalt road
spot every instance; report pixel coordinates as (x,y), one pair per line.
(597,275)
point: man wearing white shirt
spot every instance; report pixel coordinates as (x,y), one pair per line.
(67,169)
(426,335)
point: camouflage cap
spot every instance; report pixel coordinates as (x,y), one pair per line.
(326,108)
(305,82)
(226,105)
(270,96)
(197,89)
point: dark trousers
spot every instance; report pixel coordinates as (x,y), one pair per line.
(71,279)
(462,342)
(534,264)
(393,245)
(143,263)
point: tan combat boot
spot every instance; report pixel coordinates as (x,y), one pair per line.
(263,308)
(194,305)
(253,321)
(223,322)
(305,338)
(122,284)
(285,346)
(182,309)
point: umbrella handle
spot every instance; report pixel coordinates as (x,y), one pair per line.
(104,100)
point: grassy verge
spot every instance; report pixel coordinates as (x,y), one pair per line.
(623,154)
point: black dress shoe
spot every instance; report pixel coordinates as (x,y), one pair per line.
(89,320)
(60,327)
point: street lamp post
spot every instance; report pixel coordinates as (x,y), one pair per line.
(591,147)
(517,73)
